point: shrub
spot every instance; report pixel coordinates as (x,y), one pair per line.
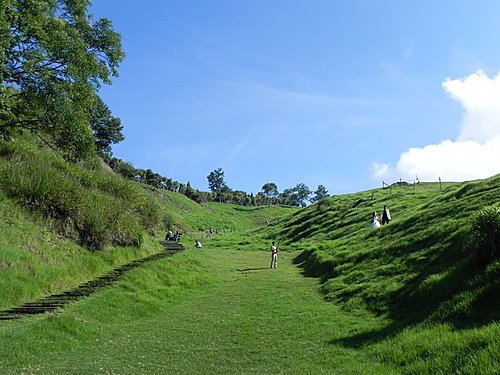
(40,187)
(486,233)
(89,205)
(168,221)
(104,220)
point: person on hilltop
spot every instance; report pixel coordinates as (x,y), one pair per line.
(375,221)
(274,255)
(386,216)
(169,236)
(197,244)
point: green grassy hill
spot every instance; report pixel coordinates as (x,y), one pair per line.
(421,265)
(420,273)
(410,297)
(192,217)
(63,223)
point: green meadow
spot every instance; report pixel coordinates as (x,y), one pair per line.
(411,297)
(88,284)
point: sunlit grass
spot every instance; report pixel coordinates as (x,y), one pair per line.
(407,298)
(216,311)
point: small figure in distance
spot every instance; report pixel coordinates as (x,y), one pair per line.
(375,221)
(197,244)
(274,256)
(169,236)
(386,215)
(177,236)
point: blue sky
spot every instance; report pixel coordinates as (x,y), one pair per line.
(340,93)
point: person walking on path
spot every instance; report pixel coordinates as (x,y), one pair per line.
(386,216)
(274,255)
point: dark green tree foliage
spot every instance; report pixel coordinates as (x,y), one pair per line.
(220,192)
(152,178)
(286,198)
(106,129)
(297,196)
(270,190)
(320,193)
(216,182)
(190,192)
(127,170)
(302,193)
(53,58)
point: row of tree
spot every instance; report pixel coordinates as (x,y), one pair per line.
(219,191)
(296,196)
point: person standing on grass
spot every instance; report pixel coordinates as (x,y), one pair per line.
(375,221)
(386,215)
(274,255)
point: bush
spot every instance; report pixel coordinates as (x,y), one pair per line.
(103,220)
(168,221)
(40,187)
(88,205)
(486,233)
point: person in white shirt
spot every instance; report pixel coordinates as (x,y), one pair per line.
(274,256)
(375,221)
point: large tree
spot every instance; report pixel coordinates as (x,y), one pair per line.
(53,58)
(296,196)
(302,193)
(270,190)
(216,182)
(320,193)
(106,128)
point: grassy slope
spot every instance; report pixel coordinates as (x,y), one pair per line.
(211,311)
(194,217)
(243,223)
(437,309)
(36,260)
(411,266)
(222,311)
(418,273)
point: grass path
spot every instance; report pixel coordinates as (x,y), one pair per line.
(248,320)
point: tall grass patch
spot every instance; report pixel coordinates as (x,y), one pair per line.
(486,234)
(93,207)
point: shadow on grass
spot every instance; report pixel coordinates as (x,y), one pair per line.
(445,302)
(369,337)
(252,269)
(430,254)
(448,300)
(312,268)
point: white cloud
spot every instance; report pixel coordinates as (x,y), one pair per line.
(476,152)
(480,97)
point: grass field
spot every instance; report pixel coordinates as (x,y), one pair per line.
(411,297)
(215,311)
(222,311)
